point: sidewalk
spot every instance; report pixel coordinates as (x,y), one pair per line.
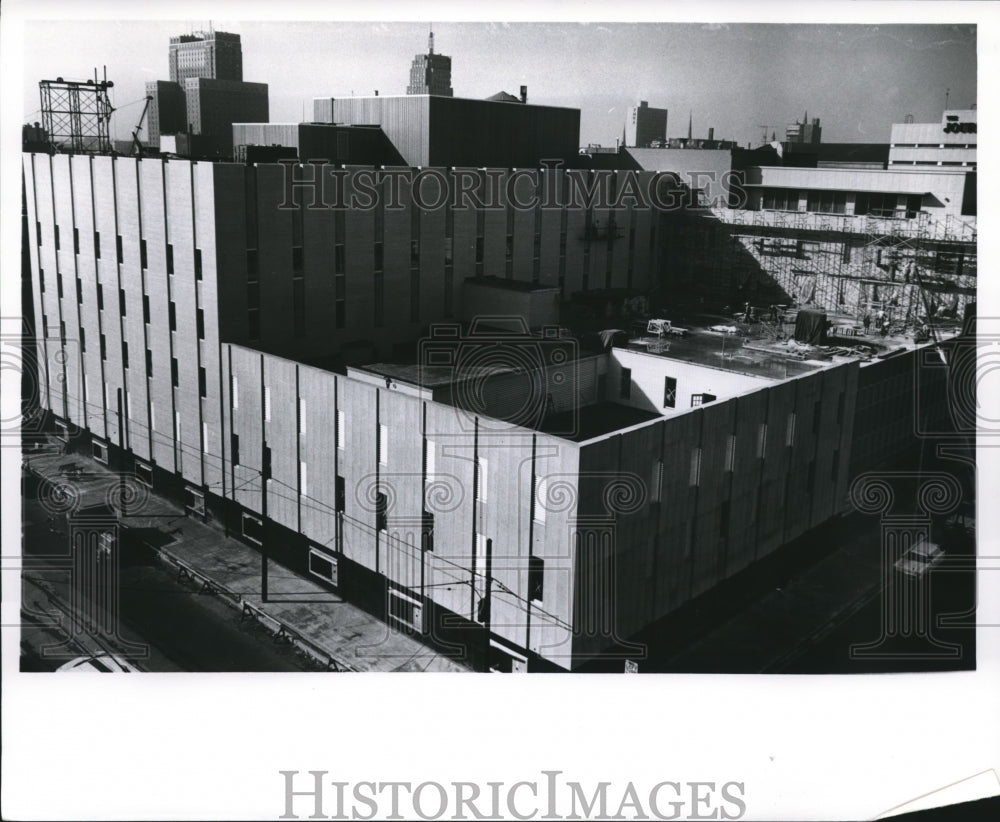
(297,608)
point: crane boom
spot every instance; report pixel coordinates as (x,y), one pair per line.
(136,145)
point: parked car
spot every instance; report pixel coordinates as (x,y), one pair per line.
(920,559)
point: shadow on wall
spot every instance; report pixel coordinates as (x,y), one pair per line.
(703,257)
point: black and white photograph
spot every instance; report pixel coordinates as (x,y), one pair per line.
(442,340)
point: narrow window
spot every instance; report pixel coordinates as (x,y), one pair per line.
(656,481)
(761,439)
(669,392)
(695,477)
(541,491)
(267,404)
(482,479)
(479,561)
(303,480)
(536,579)
(790,431)
(202,381)
(234,448)
(340,495)
(430,461)
(341,429)
(625,387)
(383,445)
(381,512)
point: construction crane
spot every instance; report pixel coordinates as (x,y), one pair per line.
(136,145)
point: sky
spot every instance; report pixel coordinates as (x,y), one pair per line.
(745,80)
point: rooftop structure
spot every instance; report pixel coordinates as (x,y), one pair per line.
(950,143)
(432,130)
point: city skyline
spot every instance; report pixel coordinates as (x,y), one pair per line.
(858,79)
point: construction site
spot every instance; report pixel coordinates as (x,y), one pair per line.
(909,277)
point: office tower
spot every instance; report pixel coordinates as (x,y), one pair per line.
(430,73)
(214,54)
(643,125)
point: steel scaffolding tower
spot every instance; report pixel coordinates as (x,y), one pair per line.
(76,115)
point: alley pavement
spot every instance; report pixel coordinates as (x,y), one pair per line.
(335,632)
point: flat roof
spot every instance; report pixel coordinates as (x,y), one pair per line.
(442,97)
(595,420)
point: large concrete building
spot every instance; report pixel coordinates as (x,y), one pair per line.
(214,105)
(167,110)
(805,132)
(430,73)
(948,144)
(501,485)
(431,130)
(214,54)
(205,95)
(645,125)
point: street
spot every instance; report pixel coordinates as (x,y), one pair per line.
(170,624)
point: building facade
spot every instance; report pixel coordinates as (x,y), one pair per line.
(430,130)
(524,503)
(167,110)
(644,125)
(215,54)
(805,132)
(430,73)
(948,144)
(214,105)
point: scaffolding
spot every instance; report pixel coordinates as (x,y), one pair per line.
(913,267)
(76,115)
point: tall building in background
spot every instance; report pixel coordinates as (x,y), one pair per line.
(214,54)
(167,110)
(214,105)
(205,95)
(645,125)
(804,132)
(430,73)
